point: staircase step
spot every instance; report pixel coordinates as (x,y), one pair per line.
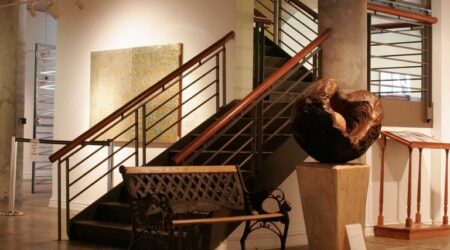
(283,97)
(300,73)
(275,61)
(117,212)
(101,232)
(299,88)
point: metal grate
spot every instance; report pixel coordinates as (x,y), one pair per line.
(45,74)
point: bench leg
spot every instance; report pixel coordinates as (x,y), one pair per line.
(285,233)
(135,238)
(245,234)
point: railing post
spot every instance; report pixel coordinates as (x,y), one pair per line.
(144,134)
(259,55)
(224,76)
(59,199)
(67,197)
(136,142)
(110,180)
(276,21)
(217,83)
(12,182)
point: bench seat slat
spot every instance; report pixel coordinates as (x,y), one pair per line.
(180,169)
(227,219)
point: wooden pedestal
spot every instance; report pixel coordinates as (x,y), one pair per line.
(333,195)
(417,231)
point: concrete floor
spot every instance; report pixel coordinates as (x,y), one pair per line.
(37,229)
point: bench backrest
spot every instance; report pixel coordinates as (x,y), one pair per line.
(197,187)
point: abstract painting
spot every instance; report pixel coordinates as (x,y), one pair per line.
(119,75)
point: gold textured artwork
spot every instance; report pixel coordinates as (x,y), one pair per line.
(119,75)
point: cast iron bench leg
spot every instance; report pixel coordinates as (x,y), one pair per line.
(245,234)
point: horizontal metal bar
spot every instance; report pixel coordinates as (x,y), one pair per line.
(298,20)
(93,183)
(396,80)
(186,101)
(403,5)
(303,12)
(101,162)
(263,5)
(84,159)
(59,142)
(398,60)
(238,151)
(398,67)
(399,92)
(229,142)
(292,27)
(180,91)
(190,112)
(395,32)
(293,39)
(399,73)
(398,87)
(400,55)
(96,151)
(386,17)
(121,118)
(276,132)
(397,43)
(396,46)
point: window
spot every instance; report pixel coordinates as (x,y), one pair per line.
(399,51)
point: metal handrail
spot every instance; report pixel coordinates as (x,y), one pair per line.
(202,80)
(141,97)
(249,99)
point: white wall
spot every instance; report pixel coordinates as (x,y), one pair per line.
(39,29)
(118,24)
(441,100)
(114,24)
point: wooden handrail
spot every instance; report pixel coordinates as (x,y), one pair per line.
(141,97)
(250,98)
(397,25)
(259,17)
(396,12)
(375,7)
(305,8)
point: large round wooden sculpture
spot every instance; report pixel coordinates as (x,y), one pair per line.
(334,127)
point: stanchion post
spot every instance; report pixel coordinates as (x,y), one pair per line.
(12,182)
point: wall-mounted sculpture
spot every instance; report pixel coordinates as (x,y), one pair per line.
(335,127)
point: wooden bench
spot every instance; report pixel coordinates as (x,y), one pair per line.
(165,198)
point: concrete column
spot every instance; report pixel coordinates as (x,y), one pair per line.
(345,52)
(9,45)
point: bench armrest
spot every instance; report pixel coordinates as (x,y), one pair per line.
(255,200)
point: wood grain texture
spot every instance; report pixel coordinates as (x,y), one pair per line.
(415,232)
(183,169)
(402,13)
(332,195)
(228,219)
